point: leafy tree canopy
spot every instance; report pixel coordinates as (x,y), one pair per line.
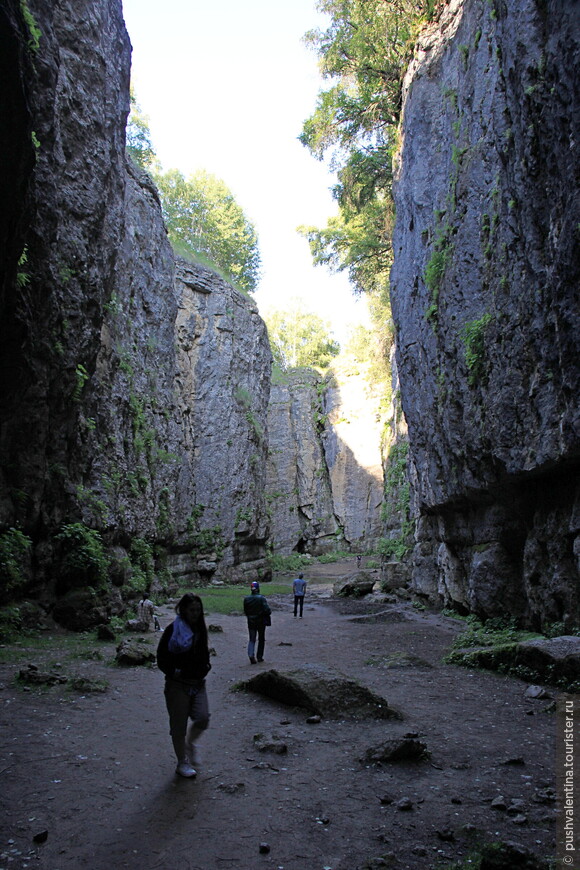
(300,338)
(138,135)
(364,51)
(204,221)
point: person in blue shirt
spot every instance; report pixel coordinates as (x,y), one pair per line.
(299,588)
(257,612)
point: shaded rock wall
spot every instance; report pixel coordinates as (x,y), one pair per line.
(134,389)
(485,292)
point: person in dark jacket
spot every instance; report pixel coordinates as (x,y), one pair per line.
(257,611)
(183,656)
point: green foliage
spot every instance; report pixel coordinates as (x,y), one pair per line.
(493,632)
(81,377)
(436,268)
(473,337)
(294,562)
(34,30)
(142,563)
(138,136)
(204,220)
(22,277)
(364,52)
(300,338)
(14,554)
(396,504)
(337,556)
(82,558)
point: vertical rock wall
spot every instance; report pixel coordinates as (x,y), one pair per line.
(325,481)
(485,291)
(134,389)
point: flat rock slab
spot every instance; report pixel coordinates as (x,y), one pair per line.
(551,660)
(322,691)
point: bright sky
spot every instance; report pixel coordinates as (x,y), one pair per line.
(227,86)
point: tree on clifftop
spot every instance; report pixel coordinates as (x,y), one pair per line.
(300,338)
(364,52)
(205,222)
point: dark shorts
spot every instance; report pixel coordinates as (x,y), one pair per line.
(186,700)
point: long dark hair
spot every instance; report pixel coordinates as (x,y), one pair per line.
(200,626)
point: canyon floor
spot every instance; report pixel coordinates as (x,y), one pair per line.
(93,776)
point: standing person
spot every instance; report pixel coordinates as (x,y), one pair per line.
(146,612)
(258,612)
(183,656)
(299,588)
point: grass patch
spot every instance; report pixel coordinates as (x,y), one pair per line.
(48,645)
(494,632)
(228,600)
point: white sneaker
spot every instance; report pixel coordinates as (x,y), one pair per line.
(184,768)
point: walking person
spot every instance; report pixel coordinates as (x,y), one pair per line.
(183,656)
(257,612)
(299,589)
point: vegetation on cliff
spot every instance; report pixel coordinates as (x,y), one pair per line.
(204,221)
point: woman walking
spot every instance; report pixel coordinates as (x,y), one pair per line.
(183,656)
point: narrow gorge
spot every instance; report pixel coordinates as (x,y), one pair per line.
(137,408)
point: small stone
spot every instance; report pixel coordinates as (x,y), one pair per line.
(314,720)
(405,804)
(535,692)
(264,848)
(446,835)
(387,799)
(456,800)
(41,837)
(520,819)
(515,807)
(517,761)
(498,803)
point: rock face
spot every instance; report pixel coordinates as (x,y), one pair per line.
(325,479)
(134,389)
(486,302)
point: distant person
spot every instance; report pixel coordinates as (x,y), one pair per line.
(358,560)
(299,589)
(258,612)
(183,656)
(146,612)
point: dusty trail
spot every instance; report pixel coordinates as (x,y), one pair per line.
(97,772)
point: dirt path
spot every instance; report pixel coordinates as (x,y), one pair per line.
(97,771)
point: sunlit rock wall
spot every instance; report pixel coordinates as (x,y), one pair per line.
(324,485)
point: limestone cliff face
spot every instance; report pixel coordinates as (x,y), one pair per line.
(485,291)
(134,389)
(325,481)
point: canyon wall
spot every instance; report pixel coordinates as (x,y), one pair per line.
(134,388)
(485,294)
(325,479)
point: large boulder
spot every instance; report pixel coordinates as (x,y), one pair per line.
(134,652)
(356,585)
(80,610)
(322,691)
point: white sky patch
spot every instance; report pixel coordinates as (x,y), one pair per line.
(227,87)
